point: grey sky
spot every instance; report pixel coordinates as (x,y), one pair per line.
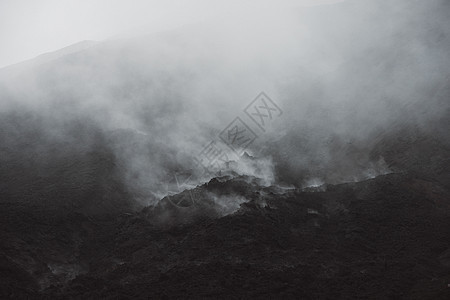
(29,28)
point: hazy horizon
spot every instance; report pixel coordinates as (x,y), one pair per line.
(29,29)
(340,75)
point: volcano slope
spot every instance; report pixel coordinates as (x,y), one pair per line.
(382,238)
(86,140)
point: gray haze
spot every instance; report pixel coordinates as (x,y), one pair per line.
(30,28)
(344,74)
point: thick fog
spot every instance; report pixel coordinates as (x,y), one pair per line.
(343,75)
(28,29)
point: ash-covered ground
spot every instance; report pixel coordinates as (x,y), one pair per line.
(381,238)
(342,193)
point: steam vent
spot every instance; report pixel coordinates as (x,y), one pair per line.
(211,149)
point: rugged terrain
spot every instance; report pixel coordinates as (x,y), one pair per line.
(345,196)
(381,238)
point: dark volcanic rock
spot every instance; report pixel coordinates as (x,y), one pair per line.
(382,238)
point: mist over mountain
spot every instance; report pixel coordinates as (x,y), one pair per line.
(341,80)
(360,101)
